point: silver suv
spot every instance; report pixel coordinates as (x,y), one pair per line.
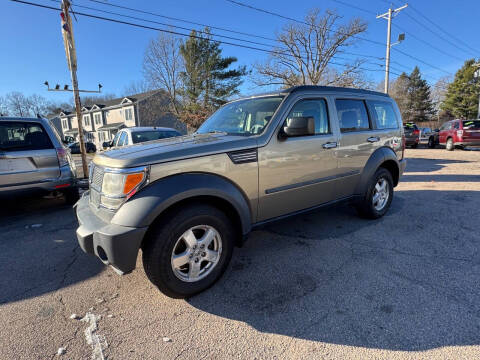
(187,201)
(34,159)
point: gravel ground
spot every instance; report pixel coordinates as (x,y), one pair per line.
(324,285)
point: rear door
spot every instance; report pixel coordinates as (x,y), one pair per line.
(27,155)
(358,140)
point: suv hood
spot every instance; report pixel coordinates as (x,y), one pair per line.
(175,148)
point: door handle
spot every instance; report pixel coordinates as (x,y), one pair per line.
(329,145)
(373,139)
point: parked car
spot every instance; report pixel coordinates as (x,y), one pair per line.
(34,159)
(189,200)
(426,137)
(459,133)
(136,135)
(89,147)
(412,135)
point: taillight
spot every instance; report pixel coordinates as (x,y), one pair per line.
(459,133)
(416,132)
(62,155)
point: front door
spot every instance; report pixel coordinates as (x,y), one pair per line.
(297,173)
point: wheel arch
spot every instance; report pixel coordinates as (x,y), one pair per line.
(167,194)
(383,157)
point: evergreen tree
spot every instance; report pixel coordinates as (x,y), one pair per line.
(208,79)
(462,95)
(419,105)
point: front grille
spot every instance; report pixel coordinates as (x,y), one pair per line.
(97,178)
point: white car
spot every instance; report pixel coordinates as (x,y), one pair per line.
(135,135)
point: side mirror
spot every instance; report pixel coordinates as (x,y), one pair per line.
(107,144)
(299,126)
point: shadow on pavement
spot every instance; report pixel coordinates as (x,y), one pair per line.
(39,252)
(408,281)
(429,165)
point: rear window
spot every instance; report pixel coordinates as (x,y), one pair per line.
(17,136)
(471,125)
(352,114)
(142,136)
(410,126)
(384,114)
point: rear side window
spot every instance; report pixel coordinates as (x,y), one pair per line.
(384,114)
(352,115)
(17,136)
(121,140)
(471,125)
(313,108)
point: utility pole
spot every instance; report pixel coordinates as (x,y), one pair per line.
(391,13)
(69,43)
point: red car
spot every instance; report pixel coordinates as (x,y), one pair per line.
(459,133)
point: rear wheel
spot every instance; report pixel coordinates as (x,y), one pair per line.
(449,146)
(187,253)
(431,142)
(378,197)
(414,145)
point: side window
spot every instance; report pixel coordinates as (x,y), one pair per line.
(121,140)
(384,114)
(456,125)
(315,108)
(352,115)
(115,139)
(125,140)
(16,136)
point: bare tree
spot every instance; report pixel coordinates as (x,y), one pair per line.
(89,100)
(137,87)
(18,104)
(3,106)
(162,65)
(38,105)
(308,49)
(439,90)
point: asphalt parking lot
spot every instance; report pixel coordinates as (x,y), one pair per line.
(323,285)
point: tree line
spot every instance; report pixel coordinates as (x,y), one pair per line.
(445,100)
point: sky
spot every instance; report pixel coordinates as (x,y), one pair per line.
(112,54)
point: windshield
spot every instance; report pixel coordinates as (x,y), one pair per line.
(244,117)
(149,135)
(471,125)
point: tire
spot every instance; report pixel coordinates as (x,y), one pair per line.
(450,146)
(71,196)
(167,239)
(414,146)
(431,143)
(366,208)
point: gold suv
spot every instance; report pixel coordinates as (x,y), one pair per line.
(188,200)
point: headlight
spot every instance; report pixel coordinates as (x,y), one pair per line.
(119,185)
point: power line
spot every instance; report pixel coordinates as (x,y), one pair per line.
(361,38)
(295,20)
(171,31)
(199,24)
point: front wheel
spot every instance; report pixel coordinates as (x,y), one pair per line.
(188,252)
(431,143)
(378,197)
(449,146)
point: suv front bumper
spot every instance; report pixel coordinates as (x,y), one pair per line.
(113,244)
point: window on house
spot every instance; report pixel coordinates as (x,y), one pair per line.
(86,120)
(98,119)
(64,124)
(128,114)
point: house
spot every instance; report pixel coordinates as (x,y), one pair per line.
(101,121)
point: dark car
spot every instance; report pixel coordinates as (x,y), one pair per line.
(412,134)
(89,147)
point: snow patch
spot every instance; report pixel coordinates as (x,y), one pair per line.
(95,340)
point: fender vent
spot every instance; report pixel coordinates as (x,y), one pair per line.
(243,156)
